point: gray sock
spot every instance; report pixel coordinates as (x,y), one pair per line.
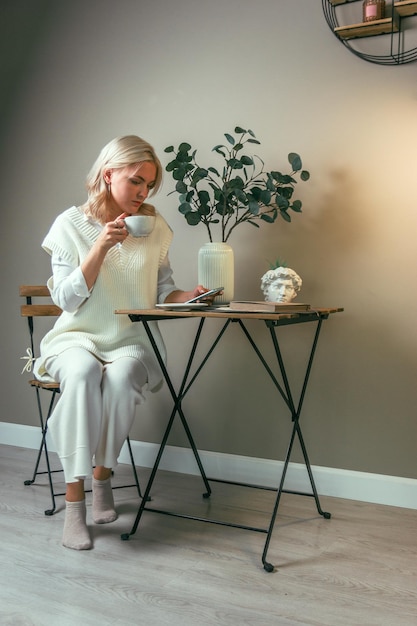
(103,503)
(76,535)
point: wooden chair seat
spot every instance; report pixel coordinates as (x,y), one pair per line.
(34,382)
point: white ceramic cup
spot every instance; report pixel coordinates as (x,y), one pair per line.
(140,225)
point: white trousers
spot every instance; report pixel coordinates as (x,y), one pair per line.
(95,410)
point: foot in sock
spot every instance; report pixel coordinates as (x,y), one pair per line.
(103,503)
(76,535)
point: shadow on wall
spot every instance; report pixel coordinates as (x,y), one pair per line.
(361,400)
(335,228)
(23,26)
(320,244)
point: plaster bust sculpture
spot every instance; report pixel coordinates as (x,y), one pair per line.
(281,284)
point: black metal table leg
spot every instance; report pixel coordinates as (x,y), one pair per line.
(287,396)
(296,431)
(285,392)
(177,397)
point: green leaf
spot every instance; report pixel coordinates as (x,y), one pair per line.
(184,147)
(184,208)
(219,151)
(240,130)
(235,164)
(169,149)
(246,160)
(241,196)
(305,175)
(278,177)
(179,173)
(204,197)
(193,218)
(199,174)
(255,192)
(235,183)
(285,216)
(296,206)
(204,211)
(223,208)
(286,192)
(270,185)
(270,219)
(218,193)
(230,138)
(254,141)
(295,161)
(283,179)
(183,157)
(213,171)
(181,187)
(281,202)
(171,166)
(265,196)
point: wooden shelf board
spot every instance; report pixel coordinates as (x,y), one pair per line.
(336,2)
(406,8)
(367,29)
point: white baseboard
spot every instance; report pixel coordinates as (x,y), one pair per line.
(362,486)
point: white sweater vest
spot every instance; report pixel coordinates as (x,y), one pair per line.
(128,279)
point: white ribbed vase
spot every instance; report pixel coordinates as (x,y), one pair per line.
(216,268)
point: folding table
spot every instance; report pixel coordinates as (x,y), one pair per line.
(272,321)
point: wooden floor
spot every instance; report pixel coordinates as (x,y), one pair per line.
(357,569)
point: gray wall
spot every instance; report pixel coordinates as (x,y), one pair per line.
(80,73)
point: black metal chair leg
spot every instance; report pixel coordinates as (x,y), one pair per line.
(132,460)
(43,449)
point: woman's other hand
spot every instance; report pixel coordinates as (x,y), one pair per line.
(184,296)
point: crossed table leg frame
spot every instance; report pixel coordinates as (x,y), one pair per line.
(285,392)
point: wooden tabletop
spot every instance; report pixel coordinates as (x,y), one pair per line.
(149,314)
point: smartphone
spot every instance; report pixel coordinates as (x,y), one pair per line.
(205,295)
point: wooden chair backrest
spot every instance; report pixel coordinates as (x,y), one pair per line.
(30,309)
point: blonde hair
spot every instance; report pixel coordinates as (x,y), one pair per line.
(119,153)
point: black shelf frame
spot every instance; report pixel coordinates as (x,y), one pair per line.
(397,55)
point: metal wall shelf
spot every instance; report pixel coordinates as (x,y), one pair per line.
(390,26)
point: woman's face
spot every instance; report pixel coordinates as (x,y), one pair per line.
(130,186)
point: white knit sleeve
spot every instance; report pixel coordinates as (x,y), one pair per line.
(67,285)
(165,280)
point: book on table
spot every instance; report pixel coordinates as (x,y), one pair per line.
(272,307)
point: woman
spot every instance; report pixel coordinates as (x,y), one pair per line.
(101,360)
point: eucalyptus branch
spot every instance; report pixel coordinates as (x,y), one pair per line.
(240,192)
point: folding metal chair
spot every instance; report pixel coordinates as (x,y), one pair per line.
(32,310)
